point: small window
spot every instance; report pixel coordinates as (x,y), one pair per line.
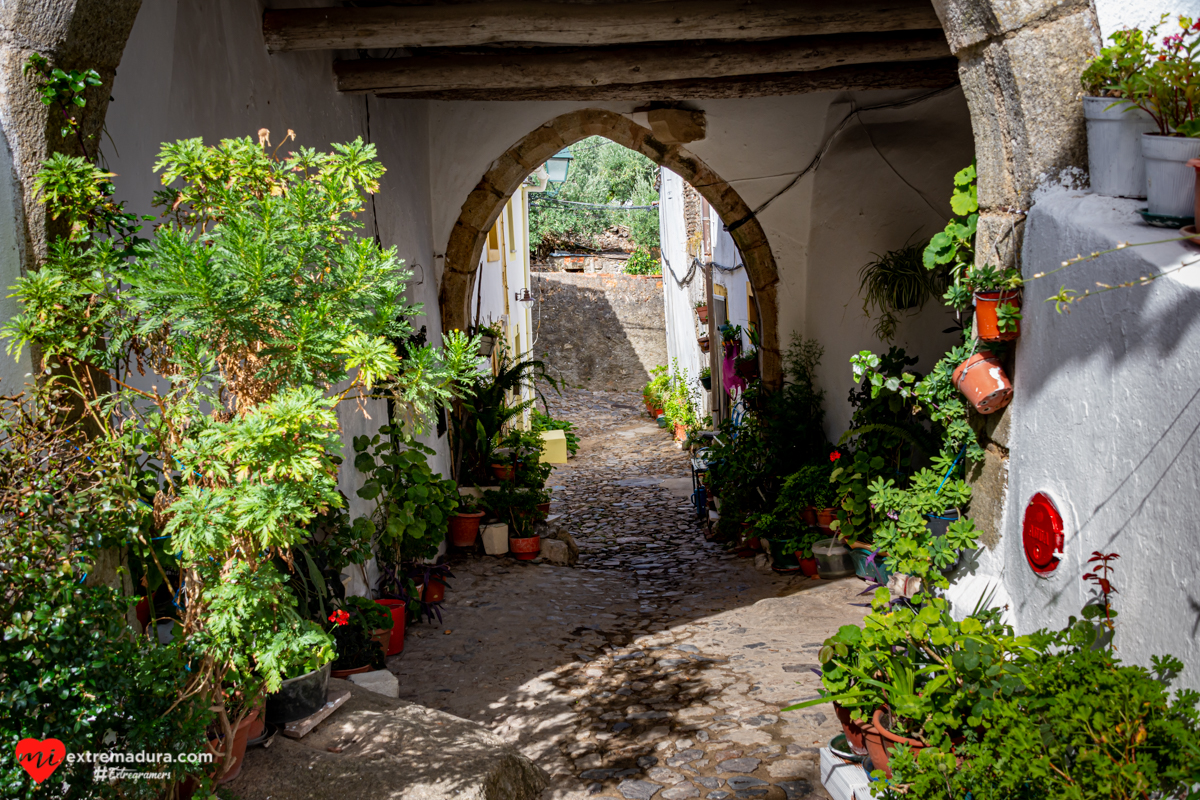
(512,229)
(493,243)
(751,306)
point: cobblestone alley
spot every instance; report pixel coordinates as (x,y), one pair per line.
(658,665)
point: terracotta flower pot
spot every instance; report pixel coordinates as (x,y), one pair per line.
(240,736)
(825,518)
(746,369)
(464,528)
(854,734)
(982,381)
(808,565)
(504,472)
(703,341)
(986,321)
(435,590)
(258,724)
(880,742)
(381,635)
(399,611)
(526,548)
(543,510)
(702,313)
(346,673)
(680,432)
(809,516)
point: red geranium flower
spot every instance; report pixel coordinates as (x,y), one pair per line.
(835,455)
(339,618)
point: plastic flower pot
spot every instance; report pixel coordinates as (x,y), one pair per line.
(782,561)
(399,611)
(833,558)
(298,697)
(662,420)
(882,573)
(808,566)
(1115,163)
(702,314)
(825,518)
(1170,184)
(525,548)
(435,590)
(486,344)
(706,382)
(504,472)
(861,568)
(464,528)
(346,673)
(982,381)
(240,736)
(986,321)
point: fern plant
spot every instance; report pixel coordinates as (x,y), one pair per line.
(898,282)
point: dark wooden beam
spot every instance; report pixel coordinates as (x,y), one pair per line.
(592,67)
(906,75)
(477,23)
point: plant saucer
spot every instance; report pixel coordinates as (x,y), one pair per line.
(1164,220)
(841,748)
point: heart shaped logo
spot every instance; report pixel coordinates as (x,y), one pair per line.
(40,757)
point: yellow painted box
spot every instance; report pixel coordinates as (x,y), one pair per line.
(554,447)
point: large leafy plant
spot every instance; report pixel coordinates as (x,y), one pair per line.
(225,334)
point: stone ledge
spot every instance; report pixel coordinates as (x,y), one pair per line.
(384,749)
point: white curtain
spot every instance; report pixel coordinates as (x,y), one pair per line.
(679,300)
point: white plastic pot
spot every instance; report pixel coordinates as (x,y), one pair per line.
(1115,160)
(1170,182)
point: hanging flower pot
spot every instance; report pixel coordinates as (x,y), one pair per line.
(487,343)
(702,313)
(987,319)
(703,342)
(706,382)
(982,381)
(747,367)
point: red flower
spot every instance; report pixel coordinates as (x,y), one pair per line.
(1162,58)
(339,618)
(835,455)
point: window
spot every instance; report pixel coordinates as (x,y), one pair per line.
(493,243)
(751,307)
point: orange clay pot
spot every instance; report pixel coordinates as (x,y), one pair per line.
(986,321)
(982,380)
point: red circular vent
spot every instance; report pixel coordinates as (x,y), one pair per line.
(1042,534)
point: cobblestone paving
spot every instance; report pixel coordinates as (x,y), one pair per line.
(655,668)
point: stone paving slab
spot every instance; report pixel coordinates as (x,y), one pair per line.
(659,664)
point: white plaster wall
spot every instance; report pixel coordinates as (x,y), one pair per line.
(821,231)
(1117,14)
(200,68)
(14,371)
(1106,416)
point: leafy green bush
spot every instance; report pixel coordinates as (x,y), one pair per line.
(656,389)
(641,262)
(679,400)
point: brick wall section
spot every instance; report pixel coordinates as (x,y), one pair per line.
(600,331)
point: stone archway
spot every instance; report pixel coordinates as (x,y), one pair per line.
(504,177)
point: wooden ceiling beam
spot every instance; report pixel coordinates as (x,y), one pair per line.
(590,68)
(478,23)
(905,75)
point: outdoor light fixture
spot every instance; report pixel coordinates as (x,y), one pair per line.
(524,298)
(558,165)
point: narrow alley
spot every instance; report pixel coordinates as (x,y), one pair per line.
(659,664)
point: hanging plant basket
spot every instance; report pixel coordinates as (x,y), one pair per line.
(982,381)
(747,368)
(703,342)
(706,382)
(487,343)
(702,314)
(986,319)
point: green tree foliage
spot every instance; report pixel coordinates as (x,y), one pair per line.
(603,173)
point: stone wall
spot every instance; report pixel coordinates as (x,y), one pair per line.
(599,331)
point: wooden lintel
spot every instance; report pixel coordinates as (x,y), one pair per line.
(481,23)
(937,74)
(595,67)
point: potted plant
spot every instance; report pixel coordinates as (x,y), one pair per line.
(518,508)
(660,379)
(982,380)
(706,378)
(464,523)
(357,650)
(702,311)
(898,282)
(1164,83)
(996,295)
(372,617)
(488,336)
(430,581)
(302,692)
(703,342)
(1114,124)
